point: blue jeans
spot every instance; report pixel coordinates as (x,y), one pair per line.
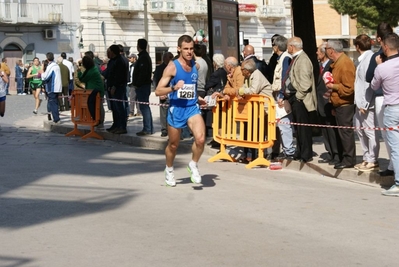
(127,104)
(20,85)
(52,105)
(286,131)
(118,108)
(70,86)
(8,85)
(391,119)
(143,95)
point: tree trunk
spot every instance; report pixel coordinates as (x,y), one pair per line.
(302,11)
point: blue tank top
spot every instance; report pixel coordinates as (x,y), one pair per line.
(186,96)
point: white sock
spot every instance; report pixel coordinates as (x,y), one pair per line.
(169,169)
(192,164)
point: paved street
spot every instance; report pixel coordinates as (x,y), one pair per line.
(65,201)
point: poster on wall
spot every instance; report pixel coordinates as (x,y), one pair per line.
(223,28)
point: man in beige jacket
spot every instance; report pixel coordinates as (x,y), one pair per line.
(300,91)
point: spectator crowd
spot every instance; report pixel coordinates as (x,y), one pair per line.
(340,93)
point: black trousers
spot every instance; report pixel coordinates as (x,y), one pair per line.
(331,139)
(304,142)
(344,116)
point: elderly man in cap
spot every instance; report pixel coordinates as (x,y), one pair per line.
(134,106)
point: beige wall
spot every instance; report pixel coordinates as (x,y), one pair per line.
(328,23)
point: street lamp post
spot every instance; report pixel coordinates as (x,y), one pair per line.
(145,21)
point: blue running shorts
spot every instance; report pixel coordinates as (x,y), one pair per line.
(178,116)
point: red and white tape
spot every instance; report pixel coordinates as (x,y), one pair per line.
(277,121)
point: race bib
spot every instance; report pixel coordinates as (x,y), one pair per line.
(186,92)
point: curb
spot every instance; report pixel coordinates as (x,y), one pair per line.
(155,142)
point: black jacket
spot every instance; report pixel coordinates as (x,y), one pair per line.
(158,73)
(116,72)
(216,81)
(142,70)
(262,67)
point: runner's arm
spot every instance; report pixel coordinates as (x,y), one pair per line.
(29,74)
(164,87)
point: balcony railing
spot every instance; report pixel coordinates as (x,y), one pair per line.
(195,8)
(15,13)
(272,11)
(126,5)
(168,6)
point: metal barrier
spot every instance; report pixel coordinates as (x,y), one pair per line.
(241,122)
(80,114)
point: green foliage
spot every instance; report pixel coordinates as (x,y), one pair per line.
(369,13)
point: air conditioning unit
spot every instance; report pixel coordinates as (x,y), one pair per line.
(49,34)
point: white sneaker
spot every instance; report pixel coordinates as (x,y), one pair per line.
(393,191)
(195,175)
(23,93)
(170,178)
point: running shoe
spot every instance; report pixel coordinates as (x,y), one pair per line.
(170,178)
(195,175)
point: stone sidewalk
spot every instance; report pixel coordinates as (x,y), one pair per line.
(155,141)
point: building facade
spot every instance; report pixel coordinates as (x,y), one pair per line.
(108,22)
(31,28)
(331,25)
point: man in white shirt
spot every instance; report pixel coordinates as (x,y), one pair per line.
(134,106)
(365,107)
(53,83)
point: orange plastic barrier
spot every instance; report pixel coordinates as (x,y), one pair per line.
(80,114)
(240,116)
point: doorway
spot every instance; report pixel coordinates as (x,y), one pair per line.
(12,53)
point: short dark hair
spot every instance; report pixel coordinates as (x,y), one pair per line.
(383,29)
(89,54)
(198,50)
(391,40)
(363,41)
(50,56)
(63,55)
(184,39)
(168,55)
(114,49)
(87,62)
(121,50)
(142,44)
(203,50)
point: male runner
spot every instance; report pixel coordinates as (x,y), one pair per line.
(179,80)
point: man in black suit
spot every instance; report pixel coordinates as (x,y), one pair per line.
(249,52)
(331,139)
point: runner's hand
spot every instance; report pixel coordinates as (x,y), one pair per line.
(179,85)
